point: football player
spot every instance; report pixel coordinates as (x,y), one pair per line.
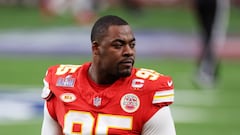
(212,17)
(108,96)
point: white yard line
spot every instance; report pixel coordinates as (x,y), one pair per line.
(191,105)
(189,115)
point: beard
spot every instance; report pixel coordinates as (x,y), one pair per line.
(124,72)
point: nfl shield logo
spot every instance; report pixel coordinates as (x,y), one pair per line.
(97,101)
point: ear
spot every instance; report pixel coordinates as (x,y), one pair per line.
(95,48)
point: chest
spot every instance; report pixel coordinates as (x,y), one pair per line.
(101,115)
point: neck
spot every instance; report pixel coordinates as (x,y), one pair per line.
(99,76)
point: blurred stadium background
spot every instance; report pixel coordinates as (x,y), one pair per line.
(33,38)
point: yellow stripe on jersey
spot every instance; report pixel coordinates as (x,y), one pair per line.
(163,96)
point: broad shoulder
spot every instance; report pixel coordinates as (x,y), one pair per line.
(62,69)
(154,79)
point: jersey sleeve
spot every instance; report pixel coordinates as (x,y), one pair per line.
(159,87)
(58,76)
(164,92)
(46,92)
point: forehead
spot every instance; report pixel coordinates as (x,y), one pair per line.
(120,31)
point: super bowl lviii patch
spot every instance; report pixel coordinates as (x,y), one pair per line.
(68,81)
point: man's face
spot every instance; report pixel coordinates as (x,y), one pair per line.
(117,51)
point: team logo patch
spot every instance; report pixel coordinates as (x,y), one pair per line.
(130,103)
(68,81)
(68,97)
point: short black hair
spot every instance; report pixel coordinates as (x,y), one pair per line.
(102,24)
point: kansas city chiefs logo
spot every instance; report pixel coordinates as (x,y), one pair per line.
(130,103)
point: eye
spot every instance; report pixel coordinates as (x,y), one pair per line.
(132,44)
(117,45)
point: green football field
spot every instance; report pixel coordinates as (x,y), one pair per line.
(196,111)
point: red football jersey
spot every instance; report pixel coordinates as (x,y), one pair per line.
(82,107)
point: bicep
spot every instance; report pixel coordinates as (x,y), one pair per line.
(49,125)
(160,123)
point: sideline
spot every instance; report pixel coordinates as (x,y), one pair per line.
(74,40)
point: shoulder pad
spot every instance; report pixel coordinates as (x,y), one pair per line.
(57,75)
(161,86)
(64,69)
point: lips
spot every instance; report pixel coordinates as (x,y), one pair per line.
(127,62)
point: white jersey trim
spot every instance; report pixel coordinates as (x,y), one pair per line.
(163,96)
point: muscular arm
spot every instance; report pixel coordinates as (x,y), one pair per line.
(161,123)
(49,126)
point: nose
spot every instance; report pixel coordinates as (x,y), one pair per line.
(128,51)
